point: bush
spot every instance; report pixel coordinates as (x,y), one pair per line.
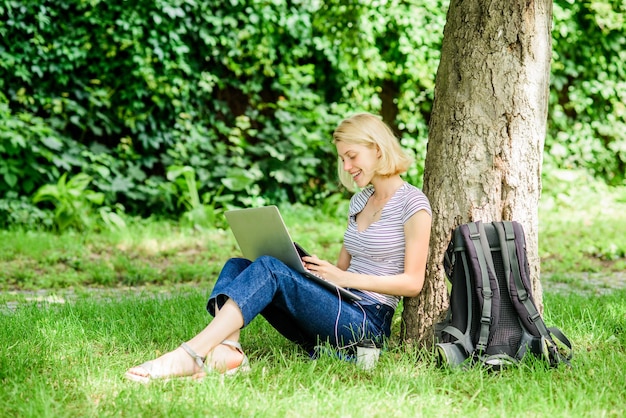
(247,93)
(587,114)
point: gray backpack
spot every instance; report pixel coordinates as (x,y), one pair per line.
(492,318)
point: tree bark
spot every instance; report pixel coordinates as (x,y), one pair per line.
(486,136)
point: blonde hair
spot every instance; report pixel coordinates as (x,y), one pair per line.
(370,131)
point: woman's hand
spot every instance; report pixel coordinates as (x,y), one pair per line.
(323,269)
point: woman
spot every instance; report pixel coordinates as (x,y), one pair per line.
(388,218)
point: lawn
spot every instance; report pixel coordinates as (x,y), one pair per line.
(67,359)
(77,310)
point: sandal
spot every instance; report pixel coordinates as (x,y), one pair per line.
(199,360)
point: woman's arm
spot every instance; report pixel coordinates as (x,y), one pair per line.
(344,259)
(417,235)
(409,283)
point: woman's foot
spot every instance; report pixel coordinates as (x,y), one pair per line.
(176,363)
(225,358)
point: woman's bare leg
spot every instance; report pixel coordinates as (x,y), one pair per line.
(225,326)
(208,342)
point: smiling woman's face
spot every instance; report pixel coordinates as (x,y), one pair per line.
(358,160)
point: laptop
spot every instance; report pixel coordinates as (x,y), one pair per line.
(262,231)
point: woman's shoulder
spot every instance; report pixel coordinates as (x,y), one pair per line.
(415,199)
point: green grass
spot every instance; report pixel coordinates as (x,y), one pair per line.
(582,225)
(67,359)
(147,253)
(582,234)
(77,310)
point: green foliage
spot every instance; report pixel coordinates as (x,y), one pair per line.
(198,214)
(113,219)
(388,57)
(32,152)
(72,201)
(20,212)
(246,93)
(587,112)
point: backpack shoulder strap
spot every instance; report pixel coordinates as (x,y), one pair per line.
(506,232)
(507,238)
(485,261)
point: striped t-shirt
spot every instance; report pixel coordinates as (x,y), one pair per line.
(379,250)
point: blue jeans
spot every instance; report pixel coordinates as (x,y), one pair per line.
(300,309)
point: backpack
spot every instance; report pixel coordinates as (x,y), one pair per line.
(492,318)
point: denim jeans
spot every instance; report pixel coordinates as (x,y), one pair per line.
(300,309)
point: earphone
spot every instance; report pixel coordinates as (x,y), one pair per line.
(337,324)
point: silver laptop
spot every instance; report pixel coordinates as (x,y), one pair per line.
(262,231)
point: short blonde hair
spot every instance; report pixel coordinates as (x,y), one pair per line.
(370,131)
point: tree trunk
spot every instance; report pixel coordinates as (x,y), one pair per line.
(486,135)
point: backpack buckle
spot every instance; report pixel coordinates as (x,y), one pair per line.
(487,293)
(485,320)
